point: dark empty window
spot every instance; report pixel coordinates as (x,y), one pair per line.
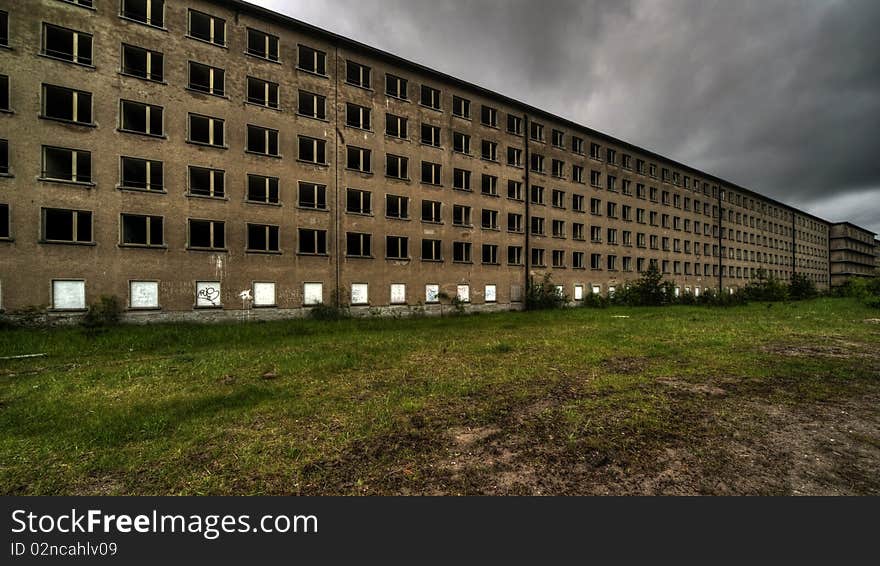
(431,250)
(312,60)
(461,179)
(312,241)
(430,135)
(150,12)
(140,118)
(4,157)
(205,78)
(207,27)
(396,166)
(357,116)
(312,150)
(4,28)
(358,245)
(461,215)
(397,247)
(395,126)
(262,238)
(489,150)
(4,92)
(261,44)
(431,211)
(312,105)
(461,143)
(60,225)
(489,185)
(262,92)
(490,253)
(262,189)
(206,182)
(461,252)
(430,97)
(143,63)
(357,74)
(461,107)
(67,44)
(514,124)
(312,195)
(489,116)
(489,219)
(63,164)
(5,231)
(358,202)
(206,130)
(358,158)
(430,173)
(395,86)
(139,230)
(262,140)
(208,234)
(396,206)
(141,174)
(60,103)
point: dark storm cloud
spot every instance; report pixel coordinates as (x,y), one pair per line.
(781,96)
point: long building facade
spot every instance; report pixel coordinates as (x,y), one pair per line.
(196,157)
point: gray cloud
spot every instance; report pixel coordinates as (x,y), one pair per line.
(781,96)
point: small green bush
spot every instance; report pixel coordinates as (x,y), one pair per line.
(650,290)
(801,287)
(596,301)
(106,312)
(765,288)
(544,295)
(336,309)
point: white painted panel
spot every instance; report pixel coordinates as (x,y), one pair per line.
(313,293)
(264,294)
(208,294)
(144,294)
(359,294)
(464,293)
(432,293)
(597,289)
(578,292)
(491,293)
(68,294)
(560,290)
(398,294)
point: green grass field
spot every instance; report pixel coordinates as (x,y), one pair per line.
(760,399)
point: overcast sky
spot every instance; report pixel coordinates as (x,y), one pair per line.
(780,96)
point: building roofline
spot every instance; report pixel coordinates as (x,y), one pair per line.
(856,226)
(418,67)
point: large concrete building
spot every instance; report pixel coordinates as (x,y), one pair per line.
(177,153)
(853,252)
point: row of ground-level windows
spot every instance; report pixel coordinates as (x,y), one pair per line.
(70,294)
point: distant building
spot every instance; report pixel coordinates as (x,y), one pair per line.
(197,157)
(853,252)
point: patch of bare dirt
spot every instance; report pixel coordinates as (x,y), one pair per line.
(626,365)
(738,446)
(707,389)
(834,348)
